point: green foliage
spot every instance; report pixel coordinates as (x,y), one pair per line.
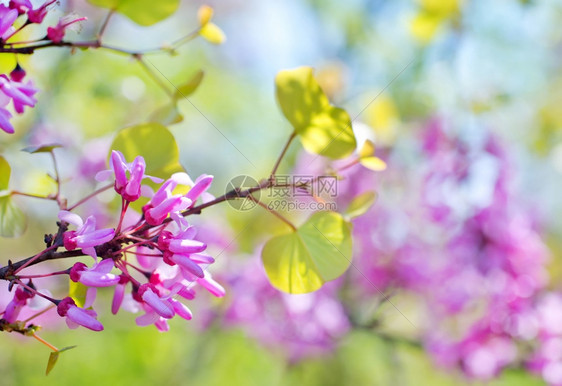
(77,291)
(12,219)
(317,252)
(155,143)
(53,358)
(360,204)
(167,115)
(41,149)
(323,129)
(143,12)
(189,87)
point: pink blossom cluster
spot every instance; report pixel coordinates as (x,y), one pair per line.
(150,264)
(304,325)
(464,242)
(13,88)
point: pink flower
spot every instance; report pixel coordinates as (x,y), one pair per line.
(21,94)
(151,296)
(164,202)
(97,276)
(211,285)
(85,236)
(21,298)
(178,248)
(37,15)
(119,294)
(76,316)
(22,6)
(128,187)
(7,18)
(56,33)
(5,123)
(199,188)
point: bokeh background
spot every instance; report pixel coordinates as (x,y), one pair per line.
(456,273)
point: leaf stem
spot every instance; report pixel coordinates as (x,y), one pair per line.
(274,212)
(283,152)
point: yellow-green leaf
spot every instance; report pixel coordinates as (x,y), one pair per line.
(167,115)
(204,14)
(322,128)
(360,204)
(5,172)
(12,219)
(317,252)
(212,33)
(143,12)
(42,148)
(189,87)
(54,357)
(373,163)
(367,150)
(77,291)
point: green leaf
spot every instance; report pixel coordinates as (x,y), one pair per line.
(155,143)
(77,291)
(5,172)
(143,12)
(323,128)
(189,87)
(361,204)
(54,357)
(167,115)
(42,148)
(317,252)
(12,219)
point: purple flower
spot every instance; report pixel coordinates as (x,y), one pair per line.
(178,248)
(85,236)
(97,276)
(56,33)
(21,298)
(37,15)
(22,6)
(128,177)
(119,294)
(199,188)
(7,18)
(76,316)
(21,94)
(164,202)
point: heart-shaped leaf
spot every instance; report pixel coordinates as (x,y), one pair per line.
(143,12)
(360,204)
(322,128)
(12,219)
(317,252)
(189,87)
